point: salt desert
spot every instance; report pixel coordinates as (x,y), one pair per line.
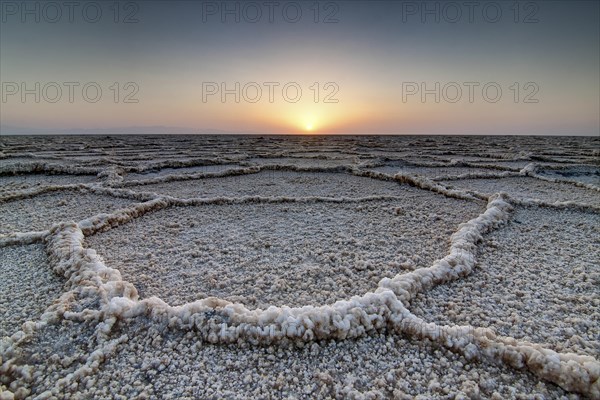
(360,267)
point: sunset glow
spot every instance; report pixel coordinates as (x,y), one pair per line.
(209,73)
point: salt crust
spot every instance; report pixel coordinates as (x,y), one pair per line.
(97,293)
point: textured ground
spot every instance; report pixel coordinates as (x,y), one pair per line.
(280,183)
(281,254)
(19,182)
(537,280)
(177,171)
(526,187)
(40,212)
(28,285)
(253,267)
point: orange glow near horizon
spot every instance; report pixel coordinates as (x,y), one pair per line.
(309,123)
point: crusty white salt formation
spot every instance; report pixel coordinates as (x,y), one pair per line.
(432,172)
(38,213)
(281,254)
(586,174)
(203,267)
(529,284)
(530,188)
(149,174)
(20,182)
(303,162)
(277,182)
(28,286)
(375,366)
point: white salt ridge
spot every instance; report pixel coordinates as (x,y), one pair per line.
(153,173)
(311,250)
(454,169)
(12,183)
(90,282)
(32,192)
(533,191)
(459,262)
(341,320)
(46,167)
(476,175)
(526,286)
(300,162)
(192,176)
(29,211)
(165,165)
(533,169)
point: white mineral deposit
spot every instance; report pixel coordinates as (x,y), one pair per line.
(301,268)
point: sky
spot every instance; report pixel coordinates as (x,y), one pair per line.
(378,67)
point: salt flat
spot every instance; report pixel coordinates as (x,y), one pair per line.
(530,188)
(299,267)
(28,286)
(530,285)
(280,254)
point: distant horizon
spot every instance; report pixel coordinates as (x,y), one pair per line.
(179,131)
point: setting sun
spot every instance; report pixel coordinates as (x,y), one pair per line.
(309,121)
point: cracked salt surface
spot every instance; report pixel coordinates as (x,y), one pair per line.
(27,286)
(173,171)
(527,188)
(281,254)
(482,296)
(536,280)
(301,162)
(40,212)
(503,163)
(154,362)
(6,163)
(432,172)
(280,183)
(49,356)
(583,173)
(20,182)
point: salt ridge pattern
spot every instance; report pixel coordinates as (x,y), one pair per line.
(96,293)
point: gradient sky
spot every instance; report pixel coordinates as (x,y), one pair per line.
(373,50)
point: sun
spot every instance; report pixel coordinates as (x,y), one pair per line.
(308,122)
